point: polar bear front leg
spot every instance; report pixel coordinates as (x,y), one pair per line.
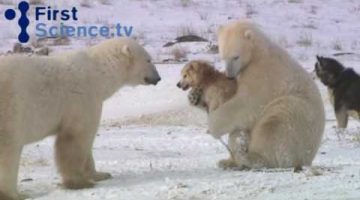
(238,144)
(9,167)
(72,154)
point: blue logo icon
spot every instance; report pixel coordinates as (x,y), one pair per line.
(23,22)
(47,13)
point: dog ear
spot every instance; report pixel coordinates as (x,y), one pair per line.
(191,66)
(194,66)
(319,59)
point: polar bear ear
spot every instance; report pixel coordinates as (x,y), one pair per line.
(248,34)
(126,51)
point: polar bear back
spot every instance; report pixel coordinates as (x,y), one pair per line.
(39,89)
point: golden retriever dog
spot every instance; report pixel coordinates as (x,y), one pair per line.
(215,86)
(210,88)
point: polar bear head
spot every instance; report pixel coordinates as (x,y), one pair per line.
(142,70)
(237,45)
(129,59)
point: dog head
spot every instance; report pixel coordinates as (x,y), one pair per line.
(194,74)
(328,70)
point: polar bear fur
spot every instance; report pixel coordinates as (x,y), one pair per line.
(62,95)
(277,102)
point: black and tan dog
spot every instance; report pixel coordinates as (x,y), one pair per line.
(343,86)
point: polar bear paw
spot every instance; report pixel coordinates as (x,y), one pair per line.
(100,176)
(16,196)
(194,96)
(227,164)
(79,184)
(230,164)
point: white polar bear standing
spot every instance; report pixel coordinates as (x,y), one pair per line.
(277,102)
(62,95)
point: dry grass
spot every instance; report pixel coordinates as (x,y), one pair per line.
(86,3)
(7,2)
(179,53)
(250,10)
(313,9)
(105,2)
(336,45)
(355,9)
(354,45)
(186,3)
(305,40)
(203,16)
(186,30)
(36,2)
(295,1)
(45,42)
(310,26)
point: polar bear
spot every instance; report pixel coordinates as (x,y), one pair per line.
(277,103)
(62,95)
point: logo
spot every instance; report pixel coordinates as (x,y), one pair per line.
(23,22)
(68,26)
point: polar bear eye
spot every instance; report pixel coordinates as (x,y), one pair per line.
(236,58)
(149,61)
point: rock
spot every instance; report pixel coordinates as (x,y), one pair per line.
(186,38)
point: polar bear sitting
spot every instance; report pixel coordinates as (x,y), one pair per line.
(62,95)
(276,103)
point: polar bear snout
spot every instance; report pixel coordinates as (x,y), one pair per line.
(154,79)
(233,67)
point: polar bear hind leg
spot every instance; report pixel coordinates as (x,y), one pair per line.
(284,136)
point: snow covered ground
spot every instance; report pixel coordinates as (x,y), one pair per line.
(155,144)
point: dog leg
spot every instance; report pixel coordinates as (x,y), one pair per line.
(342,120)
